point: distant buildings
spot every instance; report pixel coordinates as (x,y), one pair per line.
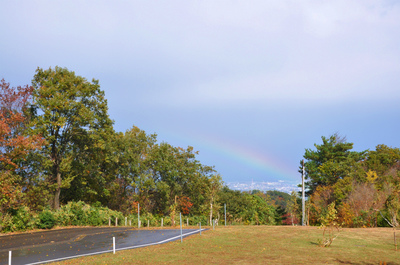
(284,186)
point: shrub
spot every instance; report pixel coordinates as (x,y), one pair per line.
(5,222)
(80,213)
(93,217)
(167,220)
(46,220)
(154,220)
(195,220)
(330,225)
(21,220)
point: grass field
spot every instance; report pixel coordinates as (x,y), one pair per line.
(262,245)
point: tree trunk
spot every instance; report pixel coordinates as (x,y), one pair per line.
(56,175)
(173,213)
(57,193)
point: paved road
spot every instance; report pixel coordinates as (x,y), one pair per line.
(38,247)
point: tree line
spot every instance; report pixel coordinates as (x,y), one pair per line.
(364,186)
(58,145)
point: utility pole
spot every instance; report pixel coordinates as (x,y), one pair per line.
(303,219)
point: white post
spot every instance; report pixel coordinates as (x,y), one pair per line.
(187,221)
(126,221)
(213,223)
(109,221)
(162,222)
(130,222)
(9,257)
(114,245)
(225,212)
(116,221)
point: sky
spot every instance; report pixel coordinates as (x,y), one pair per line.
(249,84)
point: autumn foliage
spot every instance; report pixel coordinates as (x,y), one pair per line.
(14,143)
(135,206)
(290,219)
(185,204)
(362,185)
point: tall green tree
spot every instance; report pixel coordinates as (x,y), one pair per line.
(331,161)
(171,168)
(93,170)
(72,116)
(131,153)
(200,187)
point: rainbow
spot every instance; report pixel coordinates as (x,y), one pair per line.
(255,159)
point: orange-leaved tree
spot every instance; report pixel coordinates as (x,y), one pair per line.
(15,145)
(185,204)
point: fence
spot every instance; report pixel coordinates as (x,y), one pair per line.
(130,221)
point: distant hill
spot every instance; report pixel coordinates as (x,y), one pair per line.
(278,197)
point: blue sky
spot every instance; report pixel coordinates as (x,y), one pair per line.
(249,84)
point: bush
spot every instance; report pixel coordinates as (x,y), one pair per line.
(46,220)
(24,219)
(195,220)
(19,219)
(93,217)
(154,220)
(5,222)
(82,214)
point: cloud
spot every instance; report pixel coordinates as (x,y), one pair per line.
(313,51)
(271,75)
(216,53)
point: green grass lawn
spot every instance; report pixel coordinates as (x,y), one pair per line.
(262,245)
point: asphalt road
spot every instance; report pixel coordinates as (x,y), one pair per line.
(39,247)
